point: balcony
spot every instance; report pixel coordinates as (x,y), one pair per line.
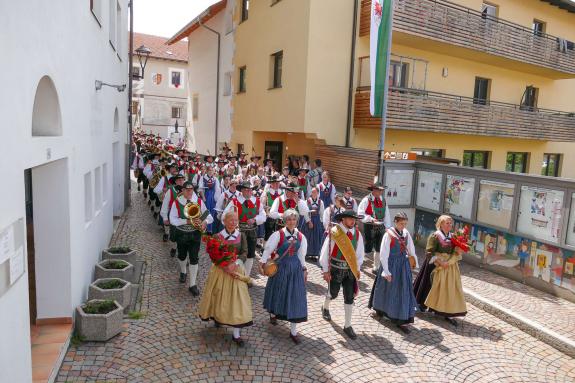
(419,110)
(455,30)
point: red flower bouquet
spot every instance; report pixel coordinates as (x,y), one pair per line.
(461,239)
(221,254)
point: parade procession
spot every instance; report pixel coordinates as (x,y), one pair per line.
(277,221)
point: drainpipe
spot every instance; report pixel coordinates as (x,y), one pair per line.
(127,181)
(217,82)
(351,73)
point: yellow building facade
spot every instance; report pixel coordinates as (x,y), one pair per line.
(463,69)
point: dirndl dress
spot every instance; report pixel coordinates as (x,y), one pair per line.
(210,193)
(314,235)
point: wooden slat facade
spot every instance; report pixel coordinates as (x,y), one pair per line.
(465,27)
(441,113)
(352,167)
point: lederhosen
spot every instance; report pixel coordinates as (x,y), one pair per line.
(188,241)
(270,225)
(341,275)
(374,233)
(247,210)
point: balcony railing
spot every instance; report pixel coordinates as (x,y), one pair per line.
(418,110)
(457,25)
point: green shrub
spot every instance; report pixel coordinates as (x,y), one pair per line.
(119,250)
(99,307)
(111,284)
(115,265)
(136,315)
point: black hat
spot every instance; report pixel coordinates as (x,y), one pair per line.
(376,186)
(172,165)
(232,156)
(208,156)
(244,185)
(220,160)
(273,178)
(177,177)
(347,214)
(255,156)
(188,185)
(303,170)
(292,187)
(178,188)
(270,159)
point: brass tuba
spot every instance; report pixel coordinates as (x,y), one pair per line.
(155,180)
(192,211)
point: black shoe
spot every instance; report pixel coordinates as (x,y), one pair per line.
(151,207)
(404,328)
(182,277)
(452,321)
(145,195)
(325,314)
(149,202)
(239,341)
(295,338)
(165,238)
(172,253)
(349,332)
(138,187)
(194,290)
(273,320)
(155,215)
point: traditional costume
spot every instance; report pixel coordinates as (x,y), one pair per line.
(271,194)
(211,188)
(314,235)
(326,193)
(375,219)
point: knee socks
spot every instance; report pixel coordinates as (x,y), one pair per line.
(348,311)
(293,329)
(193,274)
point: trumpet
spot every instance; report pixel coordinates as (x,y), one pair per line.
(158,175)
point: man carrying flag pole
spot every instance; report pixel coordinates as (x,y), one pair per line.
(380,52)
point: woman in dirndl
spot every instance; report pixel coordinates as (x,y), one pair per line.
(392,294)
(210,186)
(285,293)
(314,234)
(226,299)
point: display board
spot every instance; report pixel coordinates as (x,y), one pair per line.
(429,190)
(495,203)
(459,196)
(399,185)
(571,228)
(540,213)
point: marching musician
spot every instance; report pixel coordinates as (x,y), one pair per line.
(169,199)
(290,200)
(376,220)
(242,161)
(227,195)
(163,185)
(188,233)
(254,165)
(271,192)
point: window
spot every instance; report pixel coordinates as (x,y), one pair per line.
(88,203)
(276,61)
(104,183)
(529,99)
(112,18)
(227,83)
(398,74)
(516,162)
(136,72)
(176,78)
(439,153)
(245,9)
(176,112)
(96,8)
(551,162)
(488,11)
(538,28)
(242,80)
(481,92)
(476,159)
(118,29)
(97,188)
(195,106)
(135,107)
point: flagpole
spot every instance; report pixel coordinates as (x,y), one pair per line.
(381,159)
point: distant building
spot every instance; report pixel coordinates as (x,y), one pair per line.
(160,98)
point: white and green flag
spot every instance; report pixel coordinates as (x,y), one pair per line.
(380,45)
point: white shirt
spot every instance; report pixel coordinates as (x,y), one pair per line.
(329,244)
(260,218)
(175,219)
(148,171)
(384,250)
(160,186)
(301,208)
(165,209)
(368,218)
(274,240)
(328,215)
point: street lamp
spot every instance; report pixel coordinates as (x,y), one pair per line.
(143,52)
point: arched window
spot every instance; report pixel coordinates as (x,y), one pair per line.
(116,121)
(46,119)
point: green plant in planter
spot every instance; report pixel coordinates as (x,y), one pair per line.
(111,284)
(115,265)
(119,250)
(77,339)
(100,307)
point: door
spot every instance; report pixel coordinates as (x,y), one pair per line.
(274,150)
(481,92)
(30,245)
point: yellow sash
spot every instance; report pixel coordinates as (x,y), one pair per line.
(346,247)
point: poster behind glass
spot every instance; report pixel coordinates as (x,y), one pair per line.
(459,196)
(571,228)
(399,183)
(495,203)
(429,190)
(540,213)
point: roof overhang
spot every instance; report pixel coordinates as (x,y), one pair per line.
(202,18)
(567,5)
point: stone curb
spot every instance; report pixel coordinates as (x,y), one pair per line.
(550,337)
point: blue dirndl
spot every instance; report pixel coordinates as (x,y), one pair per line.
(395,299)
(285,293)
(314,235)
(325,195)
(210,193)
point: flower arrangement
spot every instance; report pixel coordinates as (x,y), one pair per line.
(221,254)
(461,239)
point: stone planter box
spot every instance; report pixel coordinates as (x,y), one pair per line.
(126,274)
(130,257)
(121,295)
(99,327)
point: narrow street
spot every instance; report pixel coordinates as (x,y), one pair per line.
(171,344)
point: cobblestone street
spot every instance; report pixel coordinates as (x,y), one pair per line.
(171,344)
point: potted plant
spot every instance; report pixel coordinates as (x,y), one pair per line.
(99,320)
(115,268)
(114,289)
(124,253)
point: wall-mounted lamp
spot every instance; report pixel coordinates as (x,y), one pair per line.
(143,53)
(119,88)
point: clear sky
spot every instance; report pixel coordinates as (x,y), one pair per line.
(166,17)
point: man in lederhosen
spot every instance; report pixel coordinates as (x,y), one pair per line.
(341,259)
(169,199)
(271,192)
(188,233)
(376,221)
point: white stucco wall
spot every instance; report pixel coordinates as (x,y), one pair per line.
(63,40)
(202,66)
